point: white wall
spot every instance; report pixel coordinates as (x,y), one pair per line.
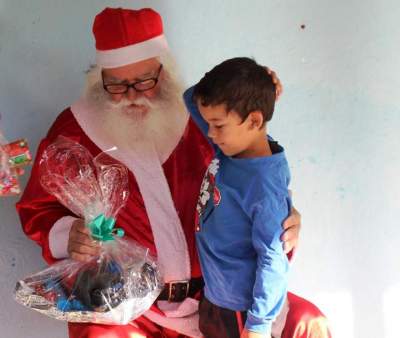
(339,119)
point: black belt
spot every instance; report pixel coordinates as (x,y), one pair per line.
(177,291)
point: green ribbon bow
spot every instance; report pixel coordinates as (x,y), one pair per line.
(102,228)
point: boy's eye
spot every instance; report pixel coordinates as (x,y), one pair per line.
(218,127)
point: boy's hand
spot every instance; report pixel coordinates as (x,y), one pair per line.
(81,246)
(291,226)
(277,83)
(249,334)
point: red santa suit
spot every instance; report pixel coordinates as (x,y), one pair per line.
(184,170)
(159,214)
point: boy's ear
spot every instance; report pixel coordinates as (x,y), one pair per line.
(255,119)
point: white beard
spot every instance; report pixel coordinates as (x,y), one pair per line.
(127,127)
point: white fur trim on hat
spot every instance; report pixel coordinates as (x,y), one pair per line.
(132,53)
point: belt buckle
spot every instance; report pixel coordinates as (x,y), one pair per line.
(172,291)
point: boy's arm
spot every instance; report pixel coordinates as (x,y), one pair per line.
(270,287)
(195,114)
(194,111)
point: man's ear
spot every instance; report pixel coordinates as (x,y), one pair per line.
(255,119)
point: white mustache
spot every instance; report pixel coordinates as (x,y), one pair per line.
(126,103)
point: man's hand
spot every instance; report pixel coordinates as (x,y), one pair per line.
(291,226)
(277,83)
(19,171)
(81,246)
(249,334)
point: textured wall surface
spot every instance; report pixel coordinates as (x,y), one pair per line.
(339,120)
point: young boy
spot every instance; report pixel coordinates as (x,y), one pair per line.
(243,201)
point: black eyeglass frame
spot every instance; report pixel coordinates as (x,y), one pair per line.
(133,84)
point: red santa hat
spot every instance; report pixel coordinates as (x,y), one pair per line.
(125,36)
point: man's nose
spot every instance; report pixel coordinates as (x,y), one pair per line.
(131,94)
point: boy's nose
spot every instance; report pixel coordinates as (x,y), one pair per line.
(211,132)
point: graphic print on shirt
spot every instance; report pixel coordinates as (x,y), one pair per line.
(208,189)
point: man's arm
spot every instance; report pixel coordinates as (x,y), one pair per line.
(290,236)
(44,219)
(62,234)
(292,224)
(40,211)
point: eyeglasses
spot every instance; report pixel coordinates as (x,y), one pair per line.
(139,86)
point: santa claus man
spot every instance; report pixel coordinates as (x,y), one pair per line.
(133,101)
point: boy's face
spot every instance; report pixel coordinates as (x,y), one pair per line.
(227,130)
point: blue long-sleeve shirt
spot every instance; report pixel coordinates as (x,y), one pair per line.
(241,208)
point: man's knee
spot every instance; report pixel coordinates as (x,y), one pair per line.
(305,320)
(76,330)
(302,308)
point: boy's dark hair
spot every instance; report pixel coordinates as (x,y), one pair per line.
(239,83)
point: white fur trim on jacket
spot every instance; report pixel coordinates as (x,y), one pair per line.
(59,235)
(144,162)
